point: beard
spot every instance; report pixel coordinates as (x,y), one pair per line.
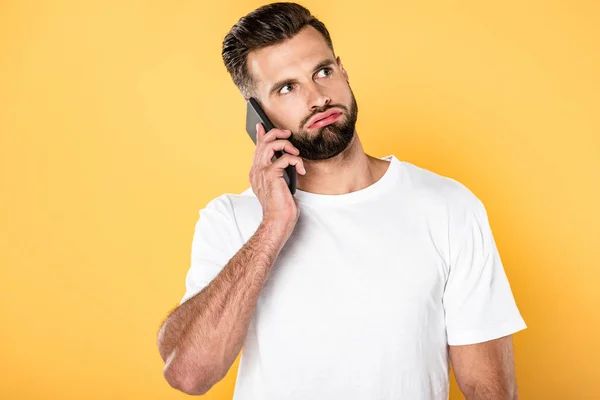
(330,140)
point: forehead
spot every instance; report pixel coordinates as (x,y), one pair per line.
(300,53)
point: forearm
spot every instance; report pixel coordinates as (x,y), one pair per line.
(204,335)
(491,392)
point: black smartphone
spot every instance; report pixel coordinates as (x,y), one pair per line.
(254,115)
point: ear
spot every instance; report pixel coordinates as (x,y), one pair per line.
(339,62)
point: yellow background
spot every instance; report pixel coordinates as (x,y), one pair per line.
(118,122)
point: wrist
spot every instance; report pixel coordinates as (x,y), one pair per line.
(277,228)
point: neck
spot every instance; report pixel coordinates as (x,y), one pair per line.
(349,171)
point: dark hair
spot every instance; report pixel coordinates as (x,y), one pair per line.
(268,25)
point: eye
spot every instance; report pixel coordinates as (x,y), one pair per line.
(329,70)
(283,87)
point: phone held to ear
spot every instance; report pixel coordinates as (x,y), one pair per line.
(254,115)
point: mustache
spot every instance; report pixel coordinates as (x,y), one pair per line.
(321,110)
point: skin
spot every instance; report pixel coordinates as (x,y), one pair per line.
(295,59)
(338,165)
(201,338)
(485,370)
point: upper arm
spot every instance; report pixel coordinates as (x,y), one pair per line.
(216,239)
(485,370)
(480,312)
(478,302)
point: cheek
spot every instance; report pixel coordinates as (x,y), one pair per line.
(288,116)
(340,92)
(338,84)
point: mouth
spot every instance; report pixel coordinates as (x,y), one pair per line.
(325,121)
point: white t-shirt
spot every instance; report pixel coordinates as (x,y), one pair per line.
(369,290)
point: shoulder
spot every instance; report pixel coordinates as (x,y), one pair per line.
(229,203)
(438,189)
(448,205)
(240,211)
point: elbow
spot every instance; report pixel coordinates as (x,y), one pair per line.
(192,381)
(477,392)
(192,384)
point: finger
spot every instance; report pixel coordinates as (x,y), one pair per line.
(260,132)
(276,133)
(278,145)
(288,159)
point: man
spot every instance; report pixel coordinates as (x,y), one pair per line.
(363,285)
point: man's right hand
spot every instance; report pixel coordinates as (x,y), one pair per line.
(266,176)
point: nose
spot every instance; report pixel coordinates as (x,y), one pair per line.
(317,98)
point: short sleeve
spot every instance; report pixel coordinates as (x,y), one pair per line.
(216,240)
(478,301)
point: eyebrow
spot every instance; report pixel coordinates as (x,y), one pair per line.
(285,81)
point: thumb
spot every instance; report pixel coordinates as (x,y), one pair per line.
(260,131)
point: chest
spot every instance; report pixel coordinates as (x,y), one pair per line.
(343,269)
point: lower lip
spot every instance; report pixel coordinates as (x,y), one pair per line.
(325,121)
